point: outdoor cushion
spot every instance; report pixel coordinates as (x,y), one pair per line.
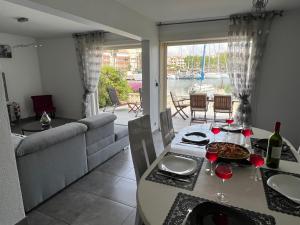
(121,131)
(99,120)
(42,140)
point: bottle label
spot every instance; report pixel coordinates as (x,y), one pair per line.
(276,152)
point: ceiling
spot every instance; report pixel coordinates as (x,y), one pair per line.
(178,10)
(40,25)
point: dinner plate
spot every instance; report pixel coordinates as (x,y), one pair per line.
(232,128)
(178,165)
(195,137)
(286,185)
(210,213)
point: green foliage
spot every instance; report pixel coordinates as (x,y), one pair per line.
(110,77)
(211,62)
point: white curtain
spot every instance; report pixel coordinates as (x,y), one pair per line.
(89,53)
(248,35)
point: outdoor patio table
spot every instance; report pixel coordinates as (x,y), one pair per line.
(154,200)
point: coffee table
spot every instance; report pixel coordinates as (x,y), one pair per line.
(33,127)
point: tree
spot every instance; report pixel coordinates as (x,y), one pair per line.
(110,77)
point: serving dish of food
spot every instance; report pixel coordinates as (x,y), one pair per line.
(229,151)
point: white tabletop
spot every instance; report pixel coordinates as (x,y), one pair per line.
(154,200)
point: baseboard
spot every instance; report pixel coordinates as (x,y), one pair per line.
(23,222)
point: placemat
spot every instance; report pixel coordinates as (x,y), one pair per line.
(183,202)
(286,155)
(277,201)
(156,177)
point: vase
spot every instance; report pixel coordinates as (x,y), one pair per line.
(45,120)
(243,115)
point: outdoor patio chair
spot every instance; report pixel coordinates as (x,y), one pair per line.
(113,96)
(198,103)
(179,105)
(222,104)
(140,104)
(166,126)
(142,149)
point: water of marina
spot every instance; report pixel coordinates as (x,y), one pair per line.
(182,87)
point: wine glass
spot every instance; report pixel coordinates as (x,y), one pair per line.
(229,121)
(257,161)
(215,130)
(212,156)
(247,132)
(224,172)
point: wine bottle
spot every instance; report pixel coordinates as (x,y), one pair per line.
(274,148)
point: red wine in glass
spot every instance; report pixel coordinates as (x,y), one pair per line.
(212,156)
(257,161)
(229,121)
(224,172)
(215,130)
(247,132)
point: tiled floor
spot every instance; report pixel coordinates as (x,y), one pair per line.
(105,196)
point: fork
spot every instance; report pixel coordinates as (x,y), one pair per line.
(186,216)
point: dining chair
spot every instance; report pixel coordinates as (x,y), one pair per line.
(198,103)
(166,126)
(222,104)
(179,105)
(142,149)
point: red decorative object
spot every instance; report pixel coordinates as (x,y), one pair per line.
(43,103)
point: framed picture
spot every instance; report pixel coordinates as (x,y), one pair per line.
(5,51)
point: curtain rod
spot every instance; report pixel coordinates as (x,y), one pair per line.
(274,12)
(192,21)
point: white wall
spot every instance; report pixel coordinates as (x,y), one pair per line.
(22,72)
(60,76)
(277,92)
(11,204)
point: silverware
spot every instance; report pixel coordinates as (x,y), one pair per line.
(173,177)
(186,216)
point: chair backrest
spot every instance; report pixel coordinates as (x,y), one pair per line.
(141,96)
(42,102)
(222,102)
(166,126)
(170,122)
(141,144)
(113,96)
(198,101)
(174,99)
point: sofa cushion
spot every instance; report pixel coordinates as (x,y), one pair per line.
(99,120)
(120,131)
(47,138)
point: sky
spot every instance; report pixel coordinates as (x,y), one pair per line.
(196,50)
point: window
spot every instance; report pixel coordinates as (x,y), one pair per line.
(197,68)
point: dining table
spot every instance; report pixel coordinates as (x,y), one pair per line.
(155,201)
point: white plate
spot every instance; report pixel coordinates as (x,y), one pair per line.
(178,165)
(196,137)
(286,185)
(233,127)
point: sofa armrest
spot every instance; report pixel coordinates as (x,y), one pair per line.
(47,138)
(99,120)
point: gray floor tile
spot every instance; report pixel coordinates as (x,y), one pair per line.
(68,205)
(95,182)
(124,155)
(118,167)
(37,218)
(104,212)
(130,220)
(124,191)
